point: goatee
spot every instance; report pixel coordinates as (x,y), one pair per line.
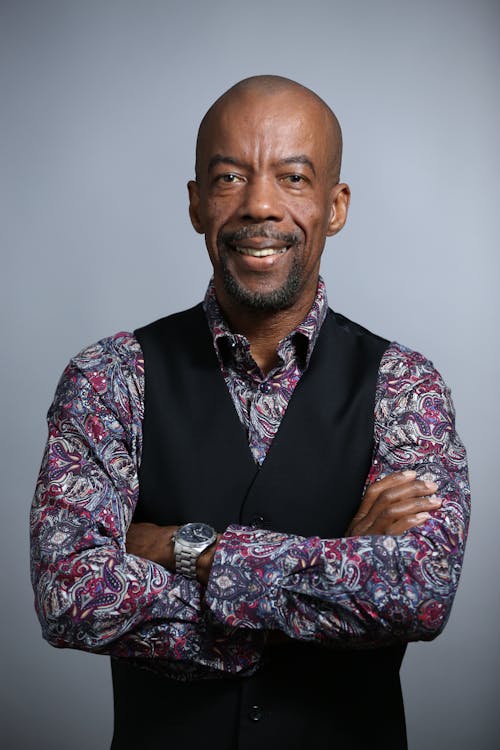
(277,299)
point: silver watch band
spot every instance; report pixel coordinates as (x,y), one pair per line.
(190,541)
(185,560)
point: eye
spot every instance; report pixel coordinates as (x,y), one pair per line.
(229,178)
(297,180)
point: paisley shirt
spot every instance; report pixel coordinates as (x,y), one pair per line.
(351,592)
(261,400)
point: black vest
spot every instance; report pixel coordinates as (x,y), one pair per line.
(196,465)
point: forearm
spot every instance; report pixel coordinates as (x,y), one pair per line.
(125,606)
(89,593)
(362,590)
(354,591)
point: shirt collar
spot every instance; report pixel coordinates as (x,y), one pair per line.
(224,339)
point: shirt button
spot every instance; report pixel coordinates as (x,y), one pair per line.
(265,388)
(255,713)
(256,521)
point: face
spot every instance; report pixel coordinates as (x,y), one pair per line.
(265,198)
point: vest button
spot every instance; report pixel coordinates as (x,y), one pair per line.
(255,713)
(256,521)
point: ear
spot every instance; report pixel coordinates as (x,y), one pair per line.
(340,198)
(194,206)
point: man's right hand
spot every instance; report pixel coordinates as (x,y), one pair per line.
(394,504)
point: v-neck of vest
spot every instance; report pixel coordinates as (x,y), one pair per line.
(298,407)
(196,454)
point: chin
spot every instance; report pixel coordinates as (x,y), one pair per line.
(272,300)
(281,297)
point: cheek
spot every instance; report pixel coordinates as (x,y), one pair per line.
(215,216)
(311,218)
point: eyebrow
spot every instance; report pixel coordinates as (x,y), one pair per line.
(221,159)
(298,159)
(295,159)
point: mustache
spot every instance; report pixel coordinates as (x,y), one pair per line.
(250,233)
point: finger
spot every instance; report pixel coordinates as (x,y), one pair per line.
(383,492)
(380,485)
(410,506)
(413,489)
(410,522)
(404,491)
(403,509)
(417,493)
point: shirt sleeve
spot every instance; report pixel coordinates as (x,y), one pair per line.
(368,590)
(89,593)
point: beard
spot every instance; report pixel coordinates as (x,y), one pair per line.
(276,299)
(272,301)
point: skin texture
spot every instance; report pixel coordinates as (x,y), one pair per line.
(394,504)
(267,170)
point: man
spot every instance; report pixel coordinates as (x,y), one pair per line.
(265,416)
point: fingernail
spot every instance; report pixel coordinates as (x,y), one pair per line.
(435,500)
(423,516)
(430,485)
(409,473)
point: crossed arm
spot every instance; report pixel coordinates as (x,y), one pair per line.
(393,575)
(390,506)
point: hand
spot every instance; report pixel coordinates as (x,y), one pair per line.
(152,542)
(394,504)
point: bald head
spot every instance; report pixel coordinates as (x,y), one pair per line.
(267,195)
(293,96)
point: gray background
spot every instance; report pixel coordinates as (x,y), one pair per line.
(100,103)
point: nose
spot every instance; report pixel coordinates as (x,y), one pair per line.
(261,201)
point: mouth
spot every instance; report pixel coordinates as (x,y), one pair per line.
(254,244)
(261,252)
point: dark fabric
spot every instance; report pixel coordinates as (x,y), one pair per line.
(196,465)
(303,696)
(152,712)
(308,696)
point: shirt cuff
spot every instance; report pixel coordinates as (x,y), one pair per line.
(245,585)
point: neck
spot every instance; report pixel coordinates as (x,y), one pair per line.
(264,329)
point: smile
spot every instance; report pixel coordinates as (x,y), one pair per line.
(262,252)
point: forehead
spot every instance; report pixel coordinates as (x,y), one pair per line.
(257,127)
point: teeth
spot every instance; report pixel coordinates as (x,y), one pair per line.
(261,252)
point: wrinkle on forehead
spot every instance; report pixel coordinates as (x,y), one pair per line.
(293,95)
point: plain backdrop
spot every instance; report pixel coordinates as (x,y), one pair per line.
(99,106)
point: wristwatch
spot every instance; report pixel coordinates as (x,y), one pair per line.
(190,541)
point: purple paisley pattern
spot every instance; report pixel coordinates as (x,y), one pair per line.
(90,594)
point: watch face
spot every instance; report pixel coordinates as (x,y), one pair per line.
(195,533)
